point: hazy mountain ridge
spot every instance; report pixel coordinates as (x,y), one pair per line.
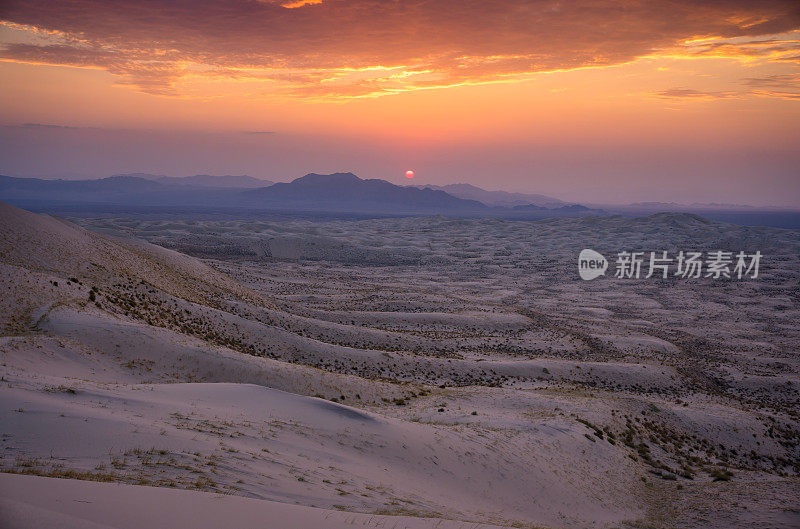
(337,192)
(343,190)
(118,190)
(496,198)
(206,180)
(312,192)
(676,206)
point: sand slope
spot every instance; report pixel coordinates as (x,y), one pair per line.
(478,391)
(30,502)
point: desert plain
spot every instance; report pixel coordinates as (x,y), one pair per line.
(418,372)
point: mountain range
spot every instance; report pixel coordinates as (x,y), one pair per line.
(346,191)
(206,180)
(334,193)
(496,198)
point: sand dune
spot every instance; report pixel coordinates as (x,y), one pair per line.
(34,502)
(472,383)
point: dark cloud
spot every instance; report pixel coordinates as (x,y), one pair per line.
(312,48)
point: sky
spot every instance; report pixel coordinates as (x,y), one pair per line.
(594,101)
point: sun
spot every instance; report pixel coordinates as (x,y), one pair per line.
(409,174)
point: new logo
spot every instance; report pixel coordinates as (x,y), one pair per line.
(591,264)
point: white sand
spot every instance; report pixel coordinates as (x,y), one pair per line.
(155,384)
(32,502)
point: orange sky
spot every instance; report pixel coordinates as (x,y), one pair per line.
(687,101)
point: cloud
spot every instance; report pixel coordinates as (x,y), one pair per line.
(357,48)
(688,93)
(779,81)
(300,3)
(46,126)
(151,72)
(748,50)
(777,86)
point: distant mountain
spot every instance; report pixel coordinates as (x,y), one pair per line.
(496,198)
(338,193)
(128,190)
(347,192)
(696,206)
(574,208)
(529,207)
(74,190)
(205,180)
(776,217)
